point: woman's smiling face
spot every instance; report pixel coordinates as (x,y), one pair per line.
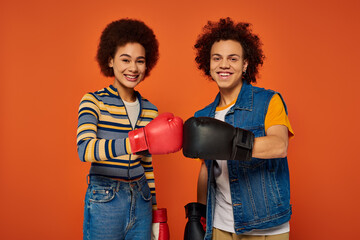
(129,65)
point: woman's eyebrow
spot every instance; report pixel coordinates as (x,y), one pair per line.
(127,55)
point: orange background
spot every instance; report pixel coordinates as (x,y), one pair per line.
(47,63)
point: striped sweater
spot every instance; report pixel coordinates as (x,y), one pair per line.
(102,136)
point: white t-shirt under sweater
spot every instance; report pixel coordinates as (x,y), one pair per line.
(223,214)
(133,110)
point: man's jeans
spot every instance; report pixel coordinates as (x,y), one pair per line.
(117,209)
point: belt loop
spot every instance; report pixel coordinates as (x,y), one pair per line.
(118,186)
(88,179)
(141,181)
(138,184)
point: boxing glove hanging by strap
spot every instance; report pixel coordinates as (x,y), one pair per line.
(209,138)
(160,228)
(196,214)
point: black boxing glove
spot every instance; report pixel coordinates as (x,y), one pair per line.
(196,214)
(209,138)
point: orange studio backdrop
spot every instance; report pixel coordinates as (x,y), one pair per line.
(47,63)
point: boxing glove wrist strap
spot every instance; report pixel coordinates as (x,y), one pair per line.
(195,210)
(242,145)
(159,215)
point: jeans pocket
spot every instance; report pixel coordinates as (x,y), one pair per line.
(145,192)
(101,194)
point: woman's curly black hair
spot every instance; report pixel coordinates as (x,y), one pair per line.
(119,33)
(225,29)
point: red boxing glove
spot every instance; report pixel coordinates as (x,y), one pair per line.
(203,223)
(161,136)
(160,228)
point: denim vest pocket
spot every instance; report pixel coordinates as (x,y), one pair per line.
(278,173)
(254,163)
(274,188)
(261,178)
(101,194)
(145,192)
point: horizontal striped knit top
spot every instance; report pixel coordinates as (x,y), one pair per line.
(102,136)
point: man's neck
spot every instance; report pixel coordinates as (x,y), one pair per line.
(228,96)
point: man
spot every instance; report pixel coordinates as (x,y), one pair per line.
(243,136)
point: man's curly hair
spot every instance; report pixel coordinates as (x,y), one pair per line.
(121,32)
(226,29)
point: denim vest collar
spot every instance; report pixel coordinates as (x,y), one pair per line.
(245,98)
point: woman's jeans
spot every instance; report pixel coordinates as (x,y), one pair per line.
(117,209)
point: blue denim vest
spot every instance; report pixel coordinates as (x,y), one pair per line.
(260,189)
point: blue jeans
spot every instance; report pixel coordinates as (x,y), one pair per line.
(117,210)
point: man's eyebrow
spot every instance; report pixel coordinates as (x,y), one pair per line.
(231,55)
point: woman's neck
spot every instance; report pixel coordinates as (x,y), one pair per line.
(126,94)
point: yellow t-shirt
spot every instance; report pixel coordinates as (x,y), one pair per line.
(276,115)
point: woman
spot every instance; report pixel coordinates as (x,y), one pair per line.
(113,137)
